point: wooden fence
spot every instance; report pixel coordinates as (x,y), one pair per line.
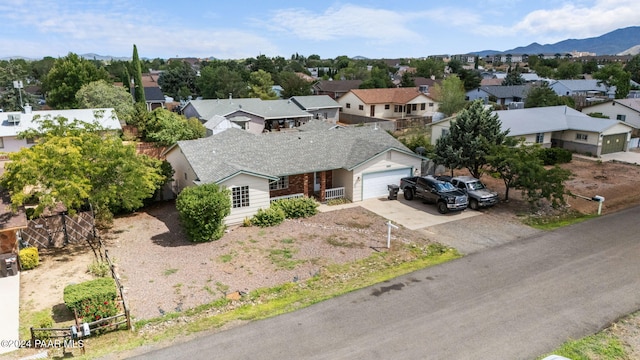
(74,336)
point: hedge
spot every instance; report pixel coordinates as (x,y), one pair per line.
(297,207)
(95,299)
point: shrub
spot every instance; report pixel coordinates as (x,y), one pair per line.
(268,217)
(99,269)
(29,258)
(202,210)
(92,300)
(297,207)
(553,156)
(43,320)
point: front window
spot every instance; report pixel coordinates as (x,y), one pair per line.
(539,138)
(621,117)
(240,196)
(360,107)
(580,136)
(348,106)
(281,183)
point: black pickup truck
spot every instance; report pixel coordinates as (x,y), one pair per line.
(446,196)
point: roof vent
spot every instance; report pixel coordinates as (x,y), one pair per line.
(13,119)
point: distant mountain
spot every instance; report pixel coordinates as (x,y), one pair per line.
(612,43)
(92,56)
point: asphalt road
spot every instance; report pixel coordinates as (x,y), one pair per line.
(515,301)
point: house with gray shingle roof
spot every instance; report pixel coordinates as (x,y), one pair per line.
(557,126)
(356,163)
(319,106)
(252,114)
(334,88)
(500,94)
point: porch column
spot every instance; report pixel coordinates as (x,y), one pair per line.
(305,184)
(323,185)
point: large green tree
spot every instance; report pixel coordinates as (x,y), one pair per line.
(613,74)
(261,85)
(75,163)
(11,71)
(520,167)
(294,85)
(100,94)
(166,127)
(220,82)
(66,77)
(450,94)
(138,88)
(633,68)
(430,68)
(541,96)
(179,81)
(472,135)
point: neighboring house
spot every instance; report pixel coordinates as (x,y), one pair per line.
(356,163)
(254,115)
(627,110)
(11,222)
(154,98)
(218,124)
(582,87)
(503,95)
(388,103)
(12,123)
(319,106)
(557,126)
(334,88)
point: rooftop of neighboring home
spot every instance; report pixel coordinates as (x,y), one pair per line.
(387,95)
(12,123)
(267,109)
(507,91)
(235,151)
(549,119)
(315,102)
(582,85)
(153,94)
(337,85)
(631,103)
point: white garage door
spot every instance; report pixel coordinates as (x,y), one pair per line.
(375,184)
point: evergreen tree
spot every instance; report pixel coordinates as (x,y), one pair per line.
(472,135)
(137,77)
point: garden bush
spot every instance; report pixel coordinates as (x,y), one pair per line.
(202,210)
(268,217)
(553,156)
(29,258)
(92,300)
(297,207)
(43,320)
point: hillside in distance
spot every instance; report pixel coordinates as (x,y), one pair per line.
(612,43)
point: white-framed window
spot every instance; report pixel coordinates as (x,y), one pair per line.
(387,106)
(348,106)
(580,136)
(360,107)
(240,196)
(621,117)
(397,108)
(539,138)
(430,104)
(423,106)
(281,183)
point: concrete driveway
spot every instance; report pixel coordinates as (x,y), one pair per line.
(9,311)
(414,214)
(631,157)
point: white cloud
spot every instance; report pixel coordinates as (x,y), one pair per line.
(580,19)
(342,22)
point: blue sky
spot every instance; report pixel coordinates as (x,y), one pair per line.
(240,29)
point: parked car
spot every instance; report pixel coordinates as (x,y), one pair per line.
(446,196)
(479,195)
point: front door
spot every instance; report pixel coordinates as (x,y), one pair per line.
(316,182)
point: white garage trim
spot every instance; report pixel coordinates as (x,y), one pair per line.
(374,184)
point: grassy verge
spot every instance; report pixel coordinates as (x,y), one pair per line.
(263,303)
(605,345)
(557,221)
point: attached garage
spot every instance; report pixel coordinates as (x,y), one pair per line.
(613,143)
(374,185)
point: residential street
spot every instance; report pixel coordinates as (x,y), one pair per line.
(515,301)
